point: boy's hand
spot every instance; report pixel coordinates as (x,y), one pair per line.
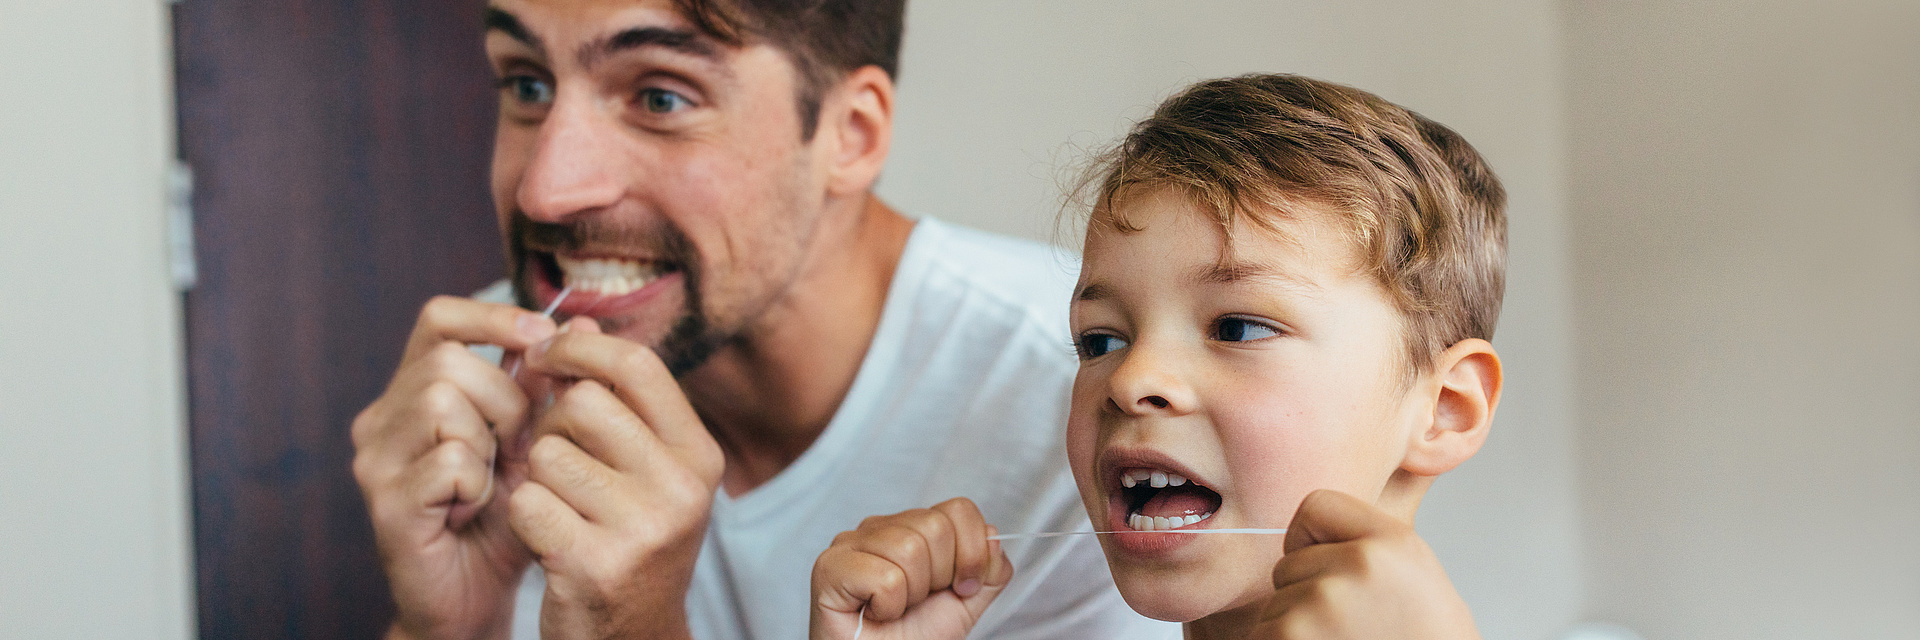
(1355,571)
(921,574)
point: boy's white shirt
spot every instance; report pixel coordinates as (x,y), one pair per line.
(963,392)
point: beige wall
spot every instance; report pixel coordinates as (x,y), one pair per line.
(993,91)
(1746,202)
(93,513)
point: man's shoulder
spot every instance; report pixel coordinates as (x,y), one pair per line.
(1030,277)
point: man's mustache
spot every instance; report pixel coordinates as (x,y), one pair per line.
(660,240)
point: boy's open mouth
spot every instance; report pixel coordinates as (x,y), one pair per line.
(1158,500)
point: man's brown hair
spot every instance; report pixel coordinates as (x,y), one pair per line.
(825,39)
(1423,207)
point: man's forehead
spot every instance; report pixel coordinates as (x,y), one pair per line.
(572,22)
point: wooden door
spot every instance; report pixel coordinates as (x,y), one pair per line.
(340,152)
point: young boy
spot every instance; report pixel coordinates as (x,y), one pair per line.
(1282,320)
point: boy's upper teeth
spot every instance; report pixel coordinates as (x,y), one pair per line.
(1153,477)
(608,276)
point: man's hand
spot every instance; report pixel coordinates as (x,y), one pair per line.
(423,456)
(620,480)
(1354,571)
(926,574)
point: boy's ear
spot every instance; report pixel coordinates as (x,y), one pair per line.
(1469,378)
(858,120)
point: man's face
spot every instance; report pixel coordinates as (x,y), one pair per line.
(1236,388)
(658,172)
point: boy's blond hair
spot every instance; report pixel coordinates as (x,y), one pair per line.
(1423,207)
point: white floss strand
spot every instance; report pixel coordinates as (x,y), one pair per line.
(862,624)
(514,372)
(1059,534)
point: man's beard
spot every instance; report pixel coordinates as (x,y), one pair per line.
(693,337)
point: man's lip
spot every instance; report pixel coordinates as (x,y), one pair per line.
(592,304)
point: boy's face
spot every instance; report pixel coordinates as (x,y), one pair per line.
(1257,382)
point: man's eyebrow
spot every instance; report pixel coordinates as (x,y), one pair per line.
(1229,273)
(1095,291)
(687,42)
(498,19)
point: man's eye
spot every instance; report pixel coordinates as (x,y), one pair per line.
(528,89)
(1094,345)
(1240,330)
(662,101)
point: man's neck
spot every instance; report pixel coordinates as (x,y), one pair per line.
(770,393)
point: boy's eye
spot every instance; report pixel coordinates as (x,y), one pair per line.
(662,101)
(1241,330)
(528,89)
(1094,345)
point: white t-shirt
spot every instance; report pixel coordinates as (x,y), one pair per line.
(963,392)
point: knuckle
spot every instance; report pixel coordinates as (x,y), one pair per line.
(437,307)
(440,399)
(452,456)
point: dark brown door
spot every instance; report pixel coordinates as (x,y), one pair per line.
(340,151)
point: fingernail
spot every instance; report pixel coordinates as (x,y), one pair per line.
(967,588)
(534,327)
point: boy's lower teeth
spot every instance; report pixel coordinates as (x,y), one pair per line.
(1139,522)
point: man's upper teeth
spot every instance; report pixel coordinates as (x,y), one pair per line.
(1153,477)
(610,276)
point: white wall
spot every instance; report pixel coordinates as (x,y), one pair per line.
(93,506)
(1746,196)
(993,91)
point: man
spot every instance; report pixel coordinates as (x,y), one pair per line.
(760,353)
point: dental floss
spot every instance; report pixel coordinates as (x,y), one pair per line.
(862,624)
(1058,534)
(514,372)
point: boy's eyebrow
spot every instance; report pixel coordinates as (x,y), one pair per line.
(1230,273)
(1095,291)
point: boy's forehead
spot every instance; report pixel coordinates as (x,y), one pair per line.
(1302,248)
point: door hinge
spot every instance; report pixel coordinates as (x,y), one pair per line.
(180,258)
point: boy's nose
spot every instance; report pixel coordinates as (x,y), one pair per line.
(1142,385)
(576,167)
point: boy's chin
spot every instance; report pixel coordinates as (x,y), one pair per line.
(1186,596)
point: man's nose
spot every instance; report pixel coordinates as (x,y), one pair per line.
(1148,383)
(576,164)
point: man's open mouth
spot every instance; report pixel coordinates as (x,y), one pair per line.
(1159,500)
(607,276)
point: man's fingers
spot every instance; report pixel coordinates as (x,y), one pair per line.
(447,318)
(405,409)
(970,557)
(448,474)
(542,521)
(1327,516)
(587,486)
(603,426)
(634,373)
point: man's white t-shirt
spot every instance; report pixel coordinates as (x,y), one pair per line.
(963,392)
